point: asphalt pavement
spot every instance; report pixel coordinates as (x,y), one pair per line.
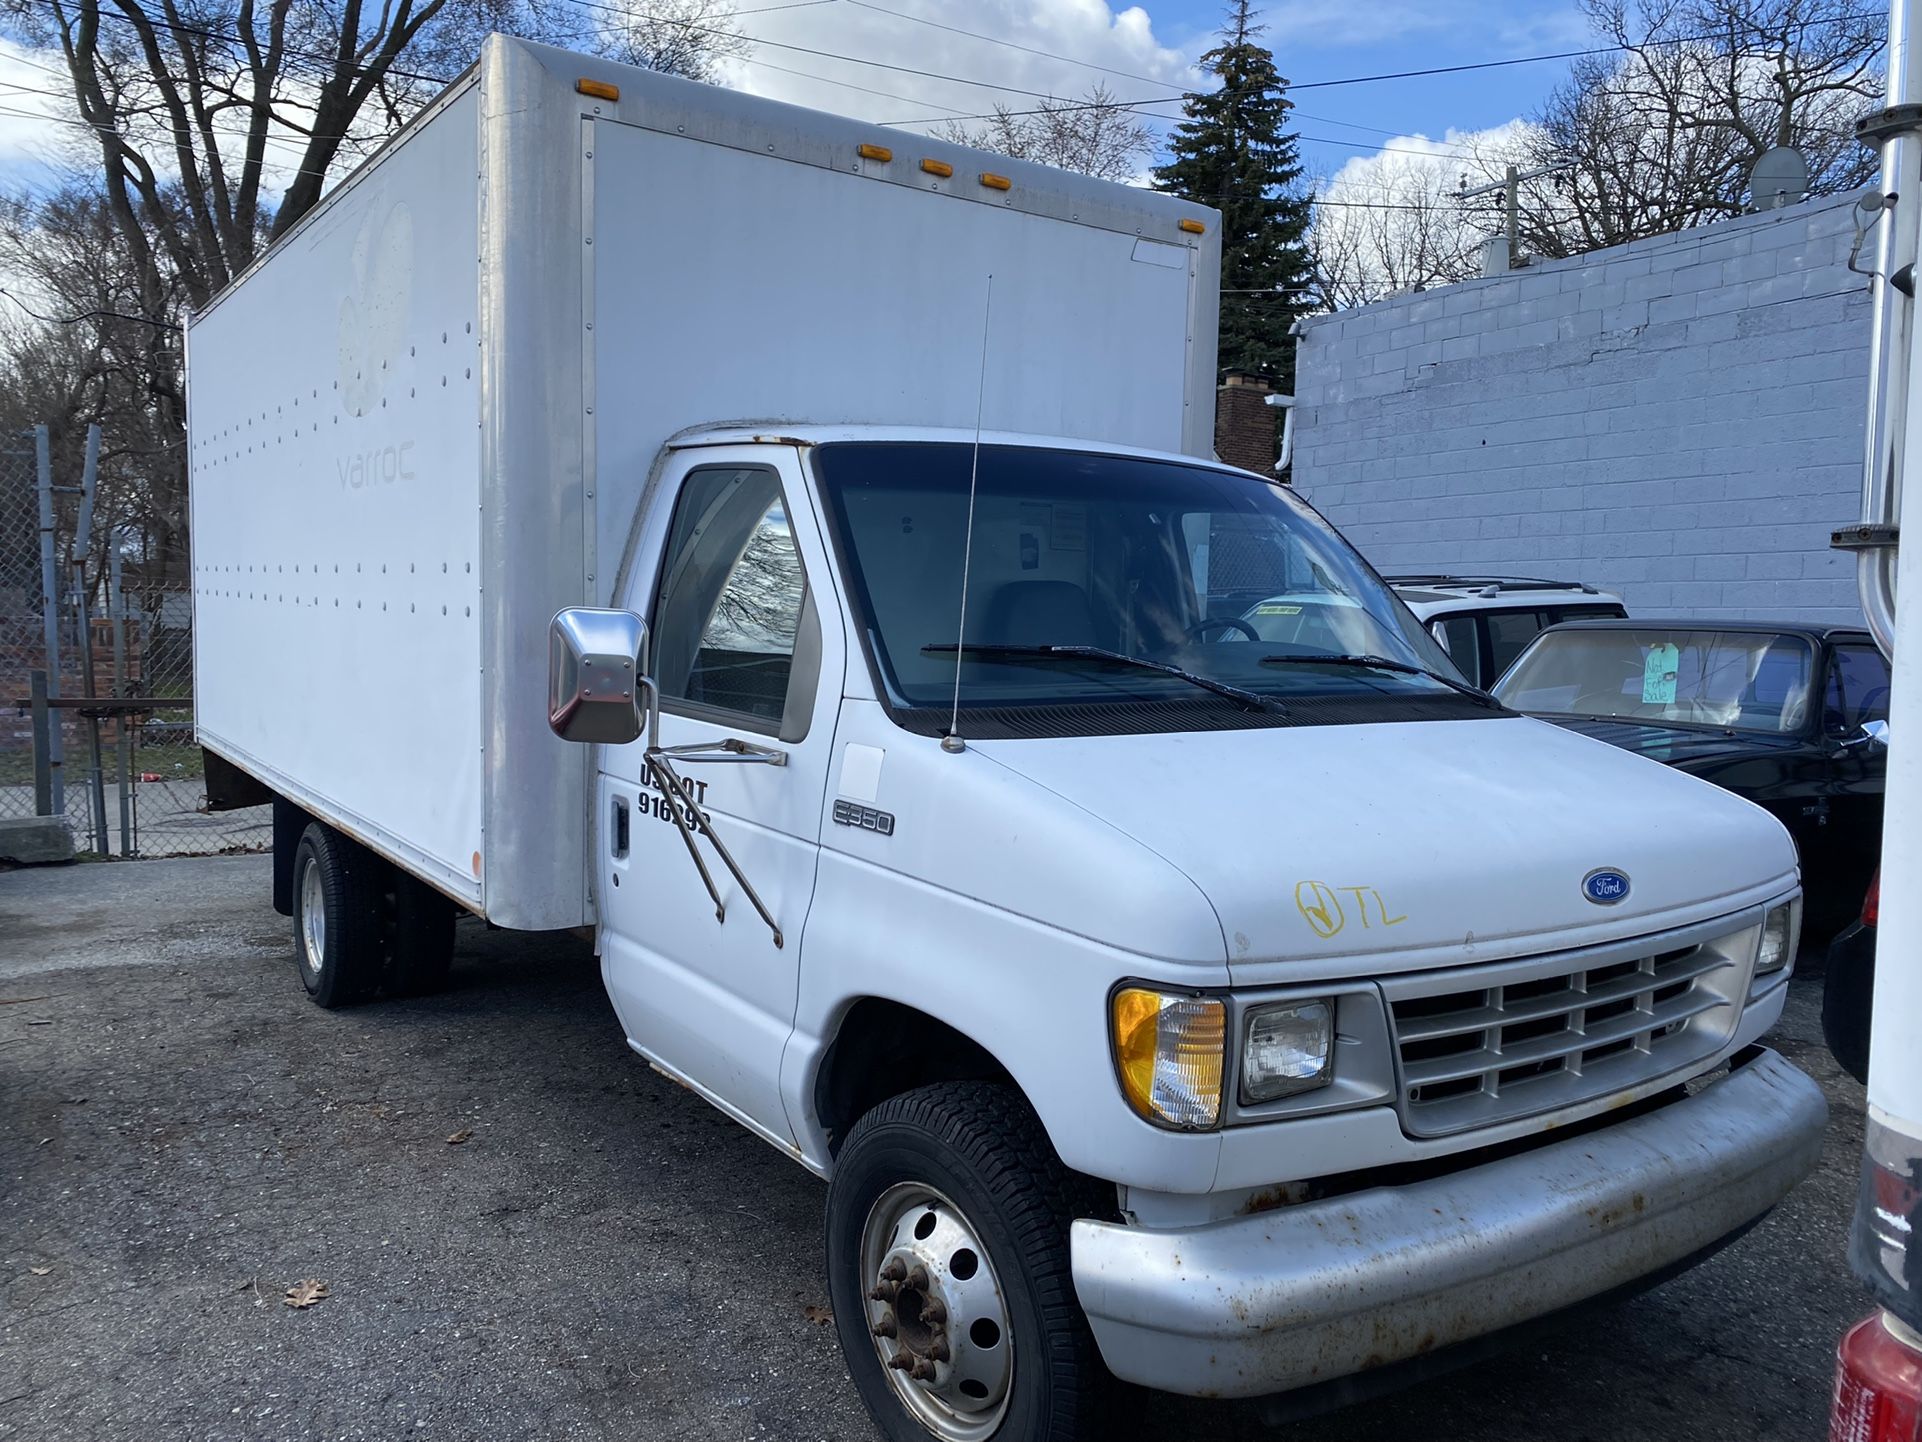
(525,1233)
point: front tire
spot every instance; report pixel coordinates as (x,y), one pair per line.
(948,1267)
(337,916)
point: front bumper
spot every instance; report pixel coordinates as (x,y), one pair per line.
(1281,1299)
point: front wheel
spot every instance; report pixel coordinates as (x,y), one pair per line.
(947,1243)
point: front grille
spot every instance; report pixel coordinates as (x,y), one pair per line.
(1488,1044)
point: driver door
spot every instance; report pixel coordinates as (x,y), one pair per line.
(727,576)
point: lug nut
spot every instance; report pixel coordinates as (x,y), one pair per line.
(934,1312)
(938,1349)
(902,1361)
(896,1270)
(885,1327)
(886,1292)
(921,1370)
(918,1278)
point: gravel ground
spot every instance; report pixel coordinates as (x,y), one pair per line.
(183,1137)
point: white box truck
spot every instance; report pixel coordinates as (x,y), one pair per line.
(621,505)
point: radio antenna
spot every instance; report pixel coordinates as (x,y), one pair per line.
(952,741)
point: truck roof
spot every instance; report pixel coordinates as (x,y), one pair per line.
(784,432)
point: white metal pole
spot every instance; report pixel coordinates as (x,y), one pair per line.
(1892,321)
(1883,1248)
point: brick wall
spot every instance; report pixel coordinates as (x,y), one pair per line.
(1679,419)
(1245,424)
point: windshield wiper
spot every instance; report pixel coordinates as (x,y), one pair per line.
(1252,699)
(1384,663)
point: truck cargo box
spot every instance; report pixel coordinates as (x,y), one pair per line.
(423,422)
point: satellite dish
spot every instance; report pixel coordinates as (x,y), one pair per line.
(1780,177)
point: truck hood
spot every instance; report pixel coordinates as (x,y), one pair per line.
(1683,746)
(1416,844)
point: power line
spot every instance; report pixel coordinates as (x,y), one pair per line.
(632,15)
(1290,86)
(1009,44)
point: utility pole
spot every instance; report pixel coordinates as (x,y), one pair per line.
(1510,256)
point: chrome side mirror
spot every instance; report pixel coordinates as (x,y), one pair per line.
(1872,734)
(597,686)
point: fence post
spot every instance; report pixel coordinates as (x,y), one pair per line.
(50,600)
(42,759)
(82,543)
(97,814)
(123,738)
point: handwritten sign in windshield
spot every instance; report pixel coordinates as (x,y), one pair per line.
(1658,674)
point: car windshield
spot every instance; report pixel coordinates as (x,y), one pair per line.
(1732,680)
(1203,571)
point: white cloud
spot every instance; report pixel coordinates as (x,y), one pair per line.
(1460,155)
(1085,34)
(37,130)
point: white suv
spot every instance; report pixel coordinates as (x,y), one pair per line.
(1484,622)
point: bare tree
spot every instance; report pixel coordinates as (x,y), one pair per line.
(215,126)
(1406,229)
(1096,135)
(1663,135)
(84,351)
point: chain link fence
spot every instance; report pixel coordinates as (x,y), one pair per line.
(115,755)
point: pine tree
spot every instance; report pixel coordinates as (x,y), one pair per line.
(1234,151)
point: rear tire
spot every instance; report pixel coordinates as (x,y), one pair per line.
(337,914)
(421,939)
(952,1195)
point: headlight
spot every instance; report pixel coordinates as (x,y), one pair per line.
(1168,1052)
(1286,1048)
(1778,939)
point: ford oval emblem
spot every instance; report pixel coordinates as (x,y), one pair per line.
(1605,886)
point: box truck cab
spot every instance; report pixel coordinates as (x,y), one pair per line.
(1159,1002)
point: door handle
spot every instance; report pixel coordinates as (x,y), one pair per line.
(619,830)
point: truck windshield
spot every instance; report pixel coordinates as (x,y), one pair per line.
(1206,572)
(1731,680)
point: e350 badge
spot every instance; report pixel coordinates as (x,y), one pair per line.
(863,818)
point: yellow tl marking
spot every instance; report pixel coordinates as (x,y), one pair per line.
(1320,908)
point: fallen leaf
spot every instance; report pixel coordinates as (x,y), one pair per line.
(460,1136)
(820,1316)
(40,1271)
(305,1294)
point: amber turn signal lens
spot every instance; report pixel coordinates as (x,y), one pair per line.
(1169,1052)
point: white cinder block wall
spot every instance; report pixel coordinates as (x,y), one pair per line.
(1679,419)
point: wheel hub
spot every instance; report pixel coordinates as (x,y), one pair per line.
(936,1313)
(313,919)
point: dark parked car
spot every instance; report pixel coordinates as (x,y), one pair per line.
(1795,718)
(1849,988)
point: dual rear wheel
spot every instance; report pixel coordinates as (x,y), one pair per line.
(364,926)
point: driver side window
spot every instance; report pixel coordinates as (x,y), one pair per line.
(734,632)
(1858,690)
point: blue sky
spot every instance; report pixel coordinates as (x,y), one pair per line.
(1316,40)
(905,60)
